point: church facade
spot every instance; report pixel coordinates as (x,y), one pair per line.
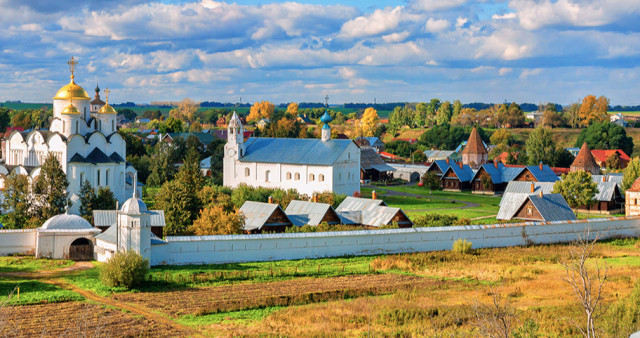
(307,165)
(84,139)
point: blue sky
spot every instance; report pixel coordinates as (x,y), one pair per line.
(414,50)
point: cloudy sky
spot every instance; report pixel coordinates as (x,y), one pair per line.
(354,51)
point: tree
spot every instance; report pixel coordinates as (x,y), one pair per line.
(87,197)
(613,162)
(631,173)
(511,115)
(369,121)
(497,318)
(185,111)
(50,189)
(5,119)
(105,200)
(128,114)
(443,136)
(593,110)
(562,158)
(431,181)
(419,156)
(457,108)
(163,165)
(216,221)
(17,199)
(292,109)
(171,125)
(540,146)
(179,198)
(578,188)
(216,195)
(586,275)
(606,135)
(432,109)
(444,113)
(502,136)
(261,110)
(195,127)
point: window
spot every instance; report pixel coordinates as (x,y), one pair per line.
(77,128)
(98,177)
(63,125)
(348,155)
(81,178)
(339,177)
(297,177)
(106,177)
(247,172)
(100,125)
(113,126)
(321,178)
(529,210)
(312,177)
(267,175)
(288,176)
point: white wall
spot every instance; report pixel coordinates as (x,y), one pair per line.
(19,241)
(246,248)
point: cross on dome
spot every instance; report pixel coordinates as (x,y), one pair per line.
(72,66)
(106,92)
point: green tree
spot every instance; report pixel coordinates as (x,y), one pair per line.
(431,181)
(443,136)
(606,135)
(216,221)
(540,146)
(457,108)
(444,113)
(179,198)
(50,189)
(163,165)
(578,188)
(5,119)
(87,197)
(613,162)
(631,173)
(419,156)
(511,115)
(128,114)
(171,125)
(105,200)
(17,199)
(562,158)
(502,136)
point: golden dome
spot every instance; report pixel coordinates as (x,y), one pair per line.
(71,109)
(71,91)
(107,109)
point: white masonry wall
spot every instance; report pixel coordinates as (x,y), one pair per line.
(19,241)
(268,247)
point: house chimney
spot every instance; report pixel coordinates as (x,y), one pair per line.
(540,165)
(460,163)
(495,163)
(540,193)
(604,178)
(374,195)
(270,199)
(315,198)
(533,188)
(447,161)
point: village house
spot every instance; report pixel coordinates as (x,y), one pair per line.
(311,213)
(304,119)
(372,167)
(536,173)
(371,213)
(601,156)
(492,178)
(264,217)
(536,207)
(457,177)
(632,199)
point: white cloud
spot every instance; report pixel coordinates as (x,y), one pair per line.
(436,5)
(436,25)
(530,72)
(395,37)
(506,16)
(504,71)
(460,21)
(379,22)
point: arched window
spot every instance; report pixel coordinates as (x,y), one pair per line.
(121,179)
(113,126)
(81,178)
(77,128)
(311,177)
(321,178)
(98,177)
(63,125)
(266,175)
(106,177)
(297,177)
(247,172)
(288,175)
(100,125)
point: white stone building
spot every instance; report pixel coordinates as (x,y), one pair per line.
(307,165)
(83,137)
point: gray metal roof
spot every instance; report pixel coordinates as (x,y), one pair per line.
(307,213)
(295,151)
(524,188)
(103,218)
(257,214)
(509,205)
(350,217)
(379,216)
(606,191)
(110,234)
(359,204)
(553,207)
(439,154)
(617,178)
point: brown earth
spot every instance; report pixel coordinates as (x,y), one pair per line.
(78,319)
(245,296)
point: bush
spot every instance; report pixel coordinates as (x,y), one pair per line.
(437,220)
(462,246)
(124,269)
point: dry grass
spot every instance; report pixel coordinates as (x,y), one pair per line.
(529,277)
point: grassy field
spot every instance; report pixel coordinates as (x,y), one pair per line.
(405,294)
(29,264)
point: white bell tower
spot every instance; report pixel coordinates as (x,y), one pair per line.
(233,150)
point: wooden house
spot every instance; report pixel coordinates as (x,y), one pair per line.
(371,213)
(536,207)
(536,173)
(264,217)
(585,161)
(457,178)
(311,213)
(492,178)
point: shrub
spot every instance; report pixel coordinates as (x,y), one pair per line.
(436,220)
(125,269)
(462,246)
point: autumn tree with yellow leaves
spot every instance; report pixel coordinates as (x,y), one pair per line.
(593,110)
(217,221)
(367,125)
(261,110)
(292,109)
(186,110)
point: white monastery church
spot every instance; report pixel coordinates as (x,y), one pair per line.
(82,136)
(307,165)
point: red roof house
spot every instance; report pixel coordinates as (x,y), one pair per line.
(601,156)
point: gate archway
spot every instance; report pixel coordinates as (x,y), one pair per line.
(81,249)
(415,177)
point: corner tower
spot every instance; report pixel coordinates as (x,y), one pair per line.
(233,150)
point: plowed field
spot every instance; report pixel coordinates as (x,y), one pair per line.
(245,296)
(76,319)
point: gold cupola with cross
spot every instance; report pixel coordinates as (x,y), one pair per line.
(72,91)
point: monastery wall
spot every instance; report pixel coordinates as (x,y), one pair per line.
(19,241)
(268,247)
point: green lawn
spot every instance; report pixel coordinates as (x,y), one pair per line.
(23,292)
(30,263)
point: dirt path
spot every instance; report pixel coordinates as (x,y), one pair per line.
(53,277)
